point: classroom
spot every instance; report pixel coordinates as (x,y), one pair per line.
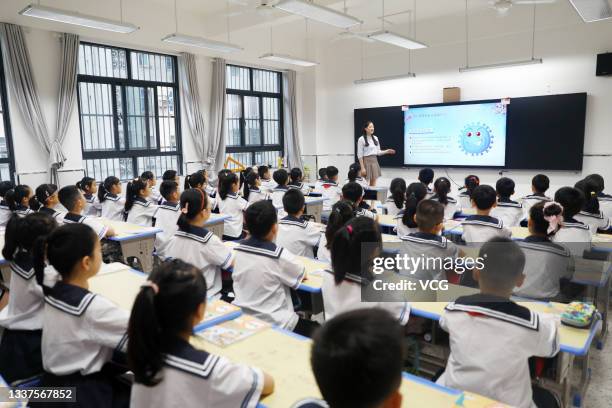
(305,203)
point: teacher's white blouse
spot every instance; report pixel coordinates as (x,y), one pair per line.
(371,150)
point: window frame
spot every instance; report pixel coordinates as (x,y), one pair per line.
(6,121)
(122,83)
(262,147)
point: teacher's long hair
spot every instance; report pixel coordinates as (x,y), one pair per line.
(364,134)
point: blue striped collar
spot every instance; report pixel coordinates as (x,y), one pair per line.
(260,247)
(68,298)
(183,356)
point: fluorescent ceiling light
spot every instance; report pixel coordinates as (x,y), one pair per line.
(396,39)
(385,78)
(502,65)
(288,60)
(592,10)
(201,43)
(317,13)
(83,20)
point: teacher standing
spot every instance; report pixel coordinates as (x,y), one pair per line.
(368,150)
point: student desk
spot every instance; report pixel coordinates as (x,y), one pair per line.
(136,241)
(286,357)
(4,396)
(215,224)
(378,193)
(313,206)
(120,284)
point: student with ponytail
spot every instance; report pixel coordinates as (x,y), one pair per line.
(168,370)
(406,223)
(22,318)
(46,195)
(605,200)
(18,200)
(591,213)
(89,188)
(229,202)
(151,181)
(395,202)
(442,187)
(252,189)
(469,184)
(81,330)
(111,202)
(5,211)
(546,263)
(341,213)
(139,209)
(195,244)
(354,175)
(353,250)
(199,179)
(166,215)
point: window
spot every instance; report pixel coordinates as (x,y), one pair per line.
(7,165)
(254,112)
(129,112)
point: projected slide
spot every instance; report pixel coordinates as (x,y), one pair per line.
(456,135)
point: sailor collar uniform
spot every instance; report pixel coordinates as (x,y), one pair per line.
(268,185)
(465,201)
(450,208)
(510,212)
(112,207)
(428,246)
(481,228)
(298,236)
(574,234)
(332,192)
(233,205)
(256,194)
(99,228)
(277,194)
(530,200)
(22,211)
(299,186)
(166,217)
(92,206)
(391,208)
(142,212)
(5,213)
(51,212)
(605,204)
(596,222)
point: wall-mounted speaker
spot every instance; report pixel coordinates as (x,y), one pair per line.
(604,64)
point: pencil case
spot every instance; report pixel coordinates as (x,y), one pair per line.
(578,314)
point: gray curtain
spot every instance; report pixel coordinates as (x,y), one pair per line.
(215,146)
(66,99)
(293,152)
(191,102)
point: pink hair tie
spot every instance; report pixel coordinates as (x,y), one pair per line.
(152,285)
(554,221)
(349,228)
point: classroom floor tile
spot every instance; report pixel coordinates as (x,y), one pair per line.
(599,394)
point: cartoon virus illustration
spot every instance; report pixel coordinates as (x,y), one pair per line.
(476,139)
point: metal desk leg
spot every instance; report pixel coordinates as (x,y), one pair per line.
(142,249)
(602,302)
(315,210)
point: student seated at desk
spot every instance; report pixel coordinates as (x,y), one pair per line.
(397,198)
(168,371)
(194,244)
(605,200)
(89,188)
(72,198)
(353,192)
(230,203)
(591,215)
(353,250)
(322,179)
(22,318)
(469,184)
(442,188)
(18,200)
(166,215)
(5,211)
(154,195)
(252,191)
(357,360)
(298,236)
(330,189)
(341,213)
(572,230)
(510,212)
(111,203)
(281,177)
(415,193)
(138,208)
(46,195)
(426,176)
(264,273)
(296,181)
(545,262)
(82,331)
(491,337)
(482,227)
(199,180)
(539,185)
(354,175)
(267,184)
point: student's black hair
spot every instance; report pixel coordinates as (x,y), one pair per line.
(341,213)
(63,248)
(429,213)
(354,171)
(168,187)
(21,233)
(537,212)
(281,177)
(169,175)
(14,197)
(352,192)
(414,194)
(160,316)
(348,245)
(243,176)
(596,179)
(43,192)
(5,186)
(147,175)
(250,182)
(69,196)
(192,201)
(356,358)
(366,124)
(322,173)
(484,196)
(397,188)
(471,182)
(85,184)
(226,180)
(503,262)
(504,187)
(442,187)
(262,170)
(540,183)
(296,176)
(426,176)
(260,217)
(293,201)
(106,186)
(331,171)
(571,199)
(589,189)
(132,192)
(194,180)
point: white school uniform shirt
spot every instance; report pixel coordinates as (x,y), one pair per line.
(510,212)
(210,190)
(363,212)
(574,235)
(402,229)
(303,187)
(464,200)
(605,204)
(92,205)
(332,192)
(264,274)
(323,253)
(450,208)
(233,205)
(166,216)
(22,211)
(258,195)
(5,213)
(391,208)
(99,228)
(361,181)
(277,195)
(596,222)
(59,216)
(545,264)
(530,200)
(482,228)
(112,207)
(268,185)
(154,196)
(318,186)
(26,301)
(142,212)
(371,150)
(298,236)
(491,339)
(428,246)
(194,378)
(346,296)
(80,330)
(205,251)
